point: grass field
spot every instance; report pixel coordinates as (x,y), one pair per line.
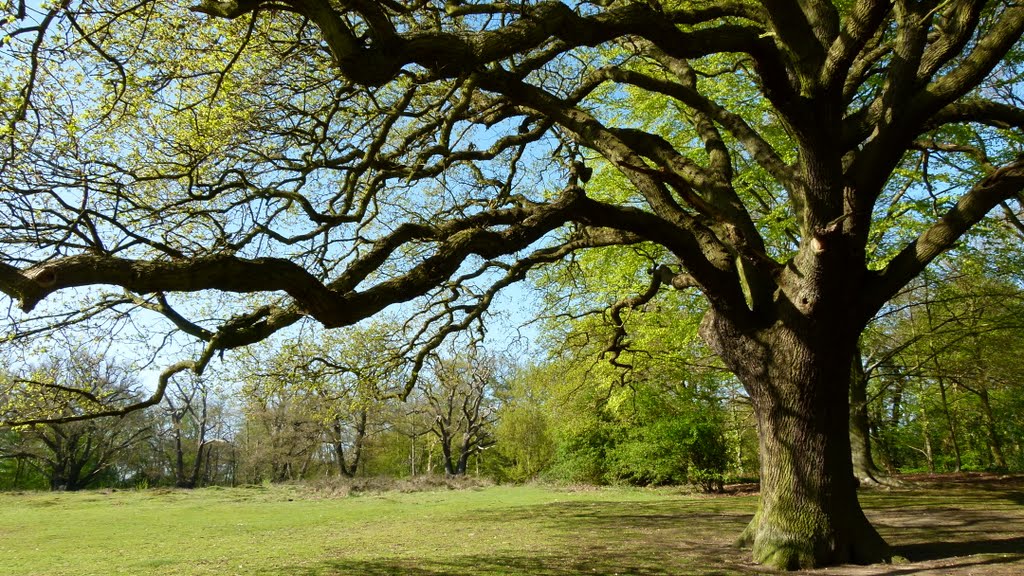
(967,527)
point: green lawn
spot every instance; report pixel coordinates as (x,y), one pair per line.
(496,530)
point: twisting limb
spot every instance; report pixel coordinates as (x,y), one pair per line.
(660,276)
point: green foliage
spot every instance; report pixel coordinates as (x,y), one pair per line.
(390,454)
(313,403)
(669,436)
(524,441)
(18,470)
(581,454)
(649,433)
(945,389)
(651,454)
(71,455)
(648,406)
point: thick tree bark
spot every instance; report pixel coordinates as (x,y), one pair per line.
(809,514)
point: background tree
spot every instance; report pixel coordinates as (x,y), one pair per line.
(635,396)
(73,455)
(405,445)
(864,467)
(933,371)
(524,432)
(280,438)
(195,425)
(333,388)
(461,404)
(339,159)
(663,402)
(352,373)
(16,469)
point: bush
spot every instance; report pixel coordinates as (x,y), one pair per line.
(708,457)
(581,453)
(652,440)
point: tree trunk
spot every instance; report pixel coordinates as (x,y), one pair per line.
(339,450)
(466,449)
(926,437)
(412,456)
(357,443)
(808,514)
(212,465)
(446,453)
(430,458)
(463,464)
(179,454)
(883,450)
(197,465)
(860,441)
(339,459)
(19,469)
(70,480)
(201,444)
(739,440)
(58,481)
(864,468)
(951,423)
(995,443)
(349,469)
(895,417)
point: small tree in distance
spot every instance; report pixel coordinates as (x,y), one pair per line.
(73,455)
(194,427)
(461,404)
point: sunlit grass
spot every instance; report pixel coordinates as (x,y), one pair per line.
(500,530)
(287,530)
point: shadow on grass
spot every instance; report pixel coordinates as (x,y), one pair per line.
(602,538)
(695,537)
(961,527)
(1012,549)
(503,565)
(967,566)
(707,517)
(983,490)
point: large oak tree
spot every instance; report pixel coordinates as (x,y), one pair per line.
(333,158)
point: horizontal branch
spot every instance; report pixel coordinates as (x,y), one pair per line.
(489,234)
(943,235)
(219,272)
(979,111)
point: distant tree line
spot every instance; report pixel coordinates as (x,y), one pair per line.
(937,388)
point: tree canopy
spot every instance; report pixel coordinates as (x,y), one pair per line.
(314,159)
